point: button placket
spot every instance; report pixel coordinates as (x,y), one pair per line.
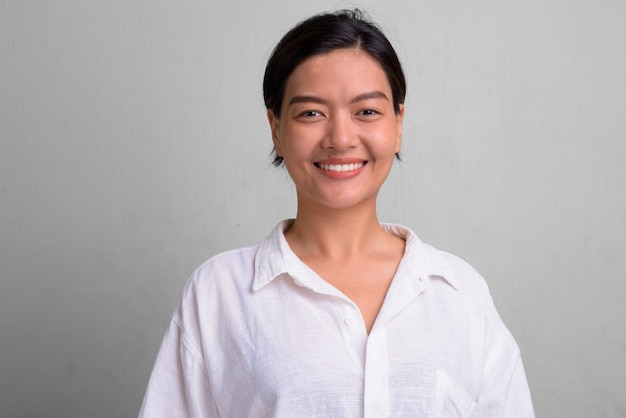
(350,317)
(376,396)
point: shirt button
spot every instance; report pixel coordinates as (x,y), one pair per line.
(348,321)
(419,285)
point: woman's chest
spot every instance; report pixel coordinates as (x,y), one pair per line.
(313,352)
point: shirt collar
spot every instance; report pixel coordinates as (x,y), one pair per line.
(421,259)
(274,258)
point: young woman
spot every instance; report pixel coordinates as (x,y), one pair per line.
(335,314)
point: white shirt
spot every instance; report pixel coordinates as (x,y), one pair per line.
(257,333)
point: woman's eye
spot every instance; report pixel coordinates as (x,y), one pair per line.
(310,114)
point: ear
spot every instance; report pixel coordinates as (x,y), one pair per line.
(399,118)
(275,128)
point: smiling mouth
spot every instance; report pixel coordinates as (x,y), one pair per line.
(340,167)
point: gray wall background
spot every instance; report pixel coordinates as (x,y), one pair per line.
(134,146)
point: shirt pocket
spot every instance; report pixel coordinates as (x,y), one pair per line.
(452,400)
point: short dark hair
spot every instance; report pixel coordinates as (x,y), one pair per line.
(324,33)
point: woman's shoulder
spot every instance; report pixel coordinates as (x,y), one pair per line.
(227,270)
(235,268)
(236,258)
(440,263)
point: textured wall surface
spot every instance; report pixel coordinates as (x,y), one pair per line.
(134,145)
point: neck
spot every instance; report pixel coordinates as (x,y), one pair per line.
(334,233)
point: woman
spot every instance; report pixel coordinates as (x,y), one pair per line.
(335,314)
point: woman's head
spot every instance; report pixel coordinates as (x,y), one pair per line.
(325,33)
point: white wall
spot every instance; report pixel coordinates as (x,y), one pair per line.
(134,146)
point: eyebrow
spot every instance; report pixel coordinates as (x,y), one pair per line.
(370,95)
(306,99)
(364,96)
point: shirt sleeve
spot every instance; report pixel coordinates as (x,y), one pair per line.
(179,386)
(505,392)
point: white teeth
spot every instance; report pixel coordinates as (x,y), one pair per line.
(341,167)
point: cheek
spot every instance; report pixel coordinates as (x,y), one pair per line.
(292,147)
(386,142)
(295,154)
(299,143)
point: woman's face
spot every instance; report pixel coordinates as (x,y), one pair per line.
(338,132)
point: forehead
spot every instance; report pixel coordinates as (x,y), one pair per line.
(340,71)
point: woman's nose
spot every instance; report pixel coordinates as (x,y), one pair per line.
(341,133)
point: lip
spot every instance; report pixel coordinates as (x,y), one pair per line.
(340,168)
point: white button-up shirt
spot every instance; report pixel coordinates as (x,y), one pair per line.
(257,333)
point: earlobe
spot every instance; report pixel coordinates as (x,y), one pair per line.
(275,128)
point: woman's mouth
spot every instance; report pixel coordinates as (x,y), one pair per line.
(342,168)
